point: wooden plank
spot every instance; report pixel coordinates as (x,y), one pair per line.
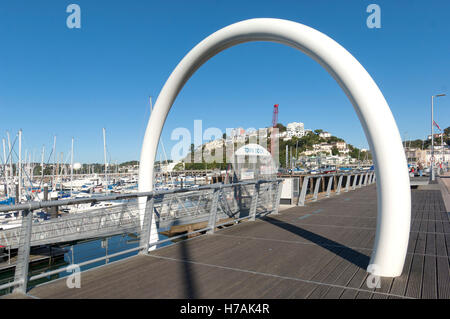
(412,241)
(447,242)
(414,286)
(277,256)
(443,278)
(441,249)
(429,289)
(430,248)
(350,280)
(421,243)
(399,283)
(338,276)
(385,287)
(343,271)
(358,280)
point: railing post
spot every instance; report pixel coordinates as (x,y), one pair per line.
(270,193)
(354,182)
(213,212)
(23,253)
(360,180)
(254,203)
(147,226)
(295,188)
(166,203)
(338,189)
(301,199)
(366,179)
(276,198)
(316,189)
(330,182)
(347,183)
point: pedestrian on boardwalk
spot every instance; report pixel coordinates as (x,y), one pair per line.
(420,168)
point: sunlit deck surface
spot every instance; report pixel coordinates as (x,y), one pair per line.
(317,251)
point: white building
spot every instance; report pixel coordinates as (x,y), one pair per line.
(282,134)
(262,132)
(309,152)
(341,145)
(436,135)
(237,135)
(324,135)
(424,156)
(214,144)
(296,129)
(168,168)
(322,148)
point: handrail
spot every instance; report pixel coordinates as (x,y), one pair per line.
(21,277)
(45,204)
(21,273)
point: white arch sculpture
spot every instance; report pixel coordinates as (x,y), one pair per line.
(393,188)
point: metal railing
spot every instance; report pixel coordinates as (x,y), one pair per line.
(313,183)
(213,205)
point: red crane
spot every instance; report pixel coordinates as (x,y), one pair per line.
(275,116)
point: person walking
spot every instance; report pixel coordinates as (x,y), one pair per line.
(420,168)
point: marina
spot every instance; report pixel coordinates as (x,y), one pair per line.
(327,243)
(329,229)
(224,152)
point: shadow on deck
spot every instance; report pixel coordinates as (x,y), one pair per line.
(317,251)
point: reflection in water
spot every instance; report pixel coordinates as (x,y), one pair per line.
(78,253)
(56,262)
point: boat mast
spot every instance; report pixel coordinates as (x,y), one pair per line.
(60,170)
(19,195)
(11,171)
(104,155)
(42,163)
(5,166)
(71,169)
(32,168)
(25,167)
(54,164)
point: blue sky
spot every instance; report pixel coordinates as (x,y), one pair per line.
(73,82)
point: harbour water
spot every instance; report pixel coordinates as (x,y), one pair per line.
(79,253)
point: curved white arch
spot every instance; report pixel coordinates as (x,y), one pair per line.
(394,199)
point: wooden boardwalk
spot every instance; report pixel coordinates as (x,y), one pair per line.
(317,251)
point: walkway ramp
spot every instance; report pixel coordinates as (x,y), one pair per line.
(320,250)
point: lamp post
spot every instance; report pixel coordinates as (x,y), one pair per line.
(432,175)
(442,148)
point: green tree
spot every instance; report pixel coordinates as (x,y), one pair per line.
(334,139)
(179,167)
(334,150)
(129,163)
(281,127)
(447,131)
